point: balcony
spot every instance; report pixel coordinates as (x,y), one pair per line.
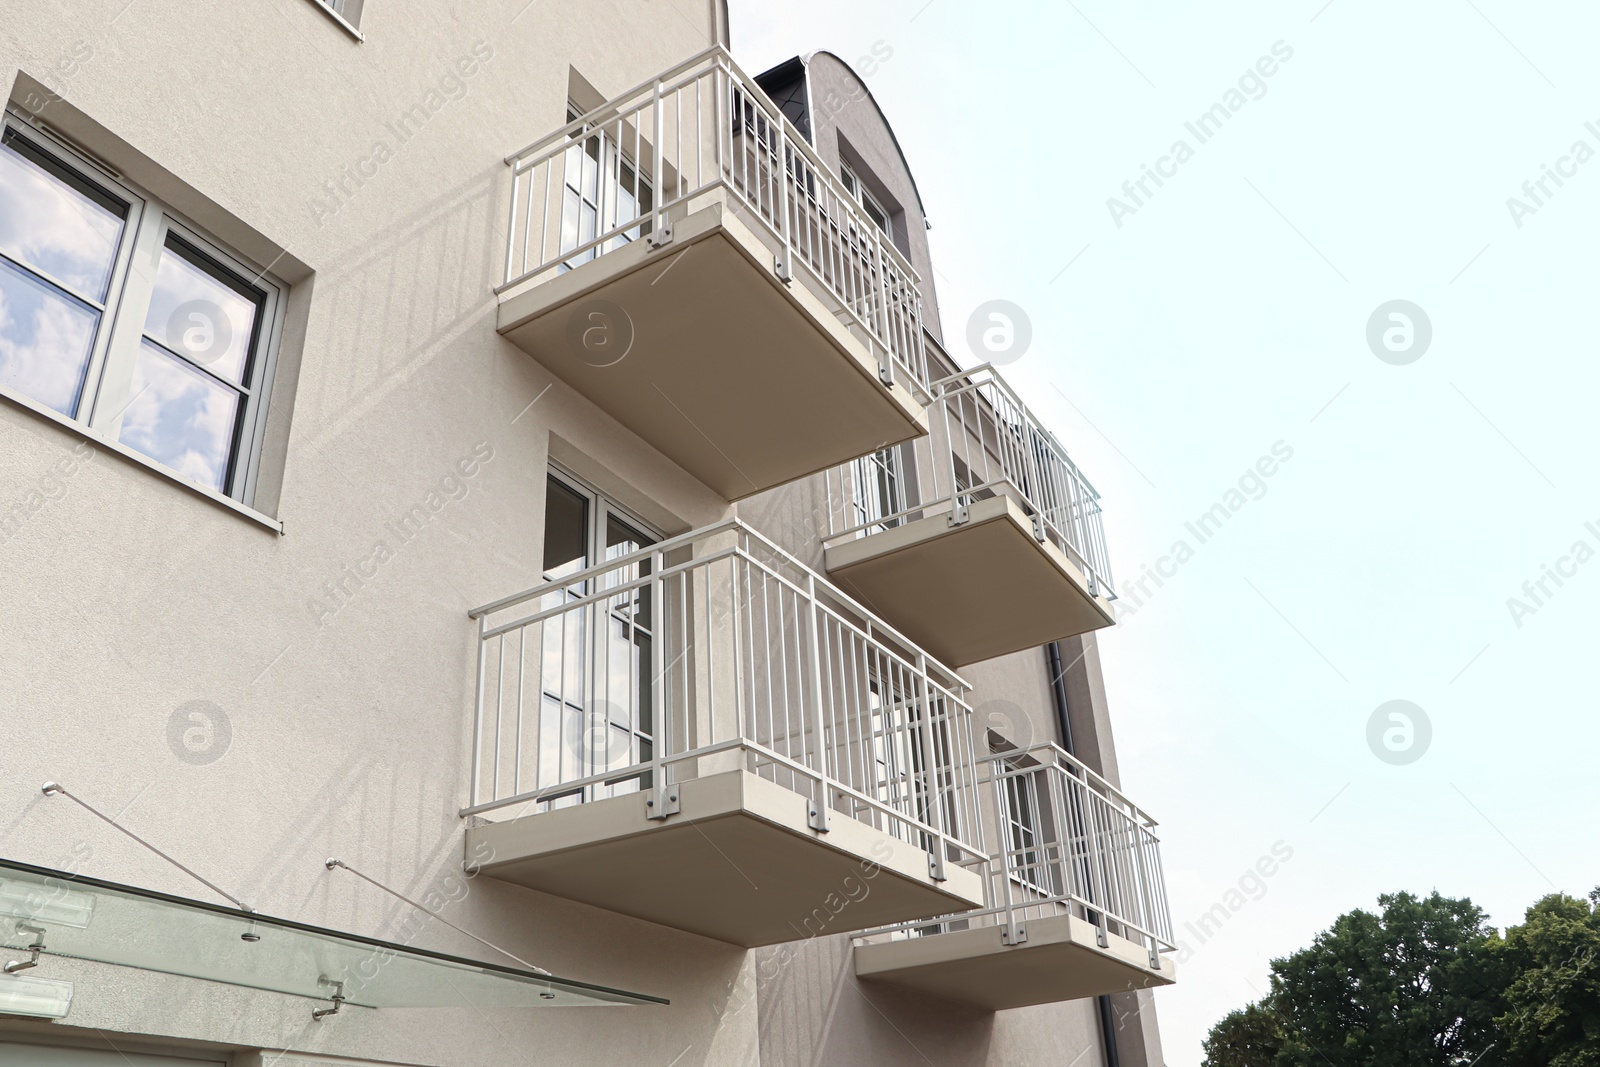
(1075,901)
(982,539)
(707,735)
(683,258)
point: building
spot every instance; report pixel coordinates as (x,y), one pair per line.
(594,543)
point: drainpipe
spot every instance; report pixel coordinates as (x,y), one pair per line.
(1058,689)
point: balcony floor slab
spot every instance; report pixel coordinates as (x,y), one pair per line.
(738,863)
(1059,961)
(742,380)
(971,592)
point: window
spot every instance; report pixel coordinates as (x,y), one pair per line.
(868,202)
(597,673)
(882,495)
(1028,837)
(602,189)
(118,316)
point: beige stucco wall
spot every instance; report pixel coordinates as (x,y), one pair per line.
(126,597)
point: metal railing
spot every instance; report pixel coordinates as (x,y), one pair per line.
(985,442)
(711,652)
(1068,842)
(625,170)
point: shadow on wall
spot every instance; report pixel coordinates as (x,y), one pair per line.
(401,298)
(814,1012)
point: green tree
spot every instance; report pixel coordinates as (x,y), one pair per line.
(1553,996)
(1413,986)
(1250,1037)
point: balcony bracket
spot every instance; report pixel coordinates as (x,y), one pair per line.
(782,268)
(817,817)
(34,949)
(1039,534)
(959,515)
(936,867)
(886,374)
(1013,934)
(1101,937)
(662,803)
(660,236)
(337,998)
(1155,958)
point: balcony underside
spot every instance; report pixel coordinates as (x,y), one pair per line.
(743,381)
(738,863)
(1060,960)
(971,592)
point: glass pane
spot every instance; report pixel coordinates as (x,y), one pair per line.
(875,213)
(45,339)
(199,316)
(56,225)
(566,531)
(172,935)
(181,417)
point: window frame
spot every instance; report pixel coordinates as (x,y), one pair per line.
(599,510)
(336,10)
(610,159)
(148,227)
(868,203)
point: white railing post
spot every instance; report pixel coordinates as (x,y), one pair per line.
(1011,932)
(1147,911)
(660,232)
(664,795)
(930,768)
(886,367)
(477,725)
(511,224)
(780,144)
(818,814)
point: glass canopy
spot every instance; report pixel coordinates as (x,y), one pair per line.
(88,919)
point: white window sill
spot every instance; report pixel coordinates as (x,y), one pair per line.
(117,447)
(338,18)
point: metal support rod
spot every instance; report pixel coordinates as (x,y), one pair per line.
(55,788)
(319,1014)
(332,863)
(34,949)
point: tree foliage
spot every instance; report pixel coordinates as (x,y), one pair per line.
(1407,987)
(1426,981)
(1552,994)
(1249,1037)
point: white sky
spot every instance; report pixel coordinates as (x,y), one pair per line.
(1230,313)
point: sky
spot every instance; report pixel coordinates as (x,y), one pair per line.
(1240,311)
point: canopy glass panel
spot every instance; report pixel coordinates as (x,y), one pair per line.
(77,917)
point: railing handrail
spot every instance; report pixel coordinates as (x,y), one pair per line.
(736,139)
(1057,494)
(661,548)
(800,703)
(578,124)
(1108,851)
(773,113)
(1073,766)
(998,380)
(1001,909)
